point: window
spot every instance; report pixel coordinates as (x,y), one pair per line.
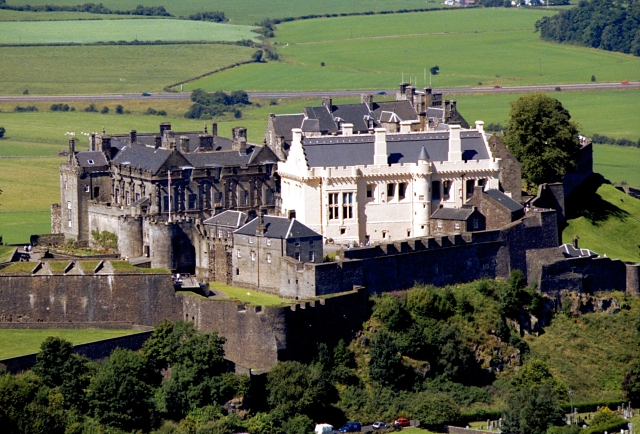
(333,206)
(128,197)
(96,191)
(246,198)
(137,197)
(476,224)
(193,201)
(268,241)
(481,182)
(86,188)
(439,224)
(446,188)
(384,235)
(435,190)
(238,253)
(310,242)
(268,258)
(408,234)
(402,189)
(253,255)
(69,205)
(311,256)
(470,186)
(371,190)
(91,162)
(65,184)
(347,205)
(343,231)
(165,203)
(391,191)
(220,233)
(117,195)
(250,240)
(456,225)
(268,196)
(69,216)
(296,255)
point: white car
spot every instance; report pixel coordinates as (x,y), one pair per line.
(380,425)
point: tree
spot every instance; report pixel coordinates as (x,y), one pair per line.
(542,136)
(119,109)
(257,56)
(434,70)
(2,131)
(385,365)
(434,410)
(631,384)
(532,411)
(593,78)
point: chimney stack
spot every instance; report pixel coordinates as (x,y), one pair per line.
(184,144)
(158,141)
(92,142)
(260,228)
(206,143)
(455,143)
(380,157)
(327,102)
(72,148)
(133,136)
(240,140)
(214,129)
(575,242)
(291,214)
(164,126)
(347,129)
(367,98)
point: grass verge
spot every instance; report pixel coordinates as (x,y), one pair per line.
(15,343)
(248,295)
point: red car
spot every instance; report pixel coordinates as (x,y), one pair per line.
(401,421)
(497,87)
(625,82)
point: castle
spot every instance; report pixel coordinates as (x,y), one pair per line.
(414,194)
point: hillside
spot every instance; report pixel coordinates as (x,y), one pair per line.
(606,220)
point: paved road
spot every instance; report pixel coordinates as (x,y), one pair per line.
(336,93)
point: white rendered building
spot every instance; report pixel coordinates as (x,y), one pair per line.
(383,186)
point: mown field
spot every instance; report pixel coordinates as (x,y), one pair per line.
(253,11)
(488,46)
(83,31)
(18,342)
(109,69)
(7,15)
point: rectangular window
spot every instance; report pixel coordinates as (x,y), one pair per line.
(268,258)
(96,191)
(250,240)
(311,256)
(268,241)
(391,192)
(371,190)
(268,196)
(456,225)
(137,197)
(238,253)
(69,215)
(69,205)
(246,198)
(402,189)
(446,189)
(310,242)
(347,205)
(435,190)
(439,224)
(128,197)
(193,201)
(228,234)
(481,182)
(117,195)
(296,255)
(165,203)
(470,185)
(476,224)
(333,206)
(253,255)
(220,233)
(86,188)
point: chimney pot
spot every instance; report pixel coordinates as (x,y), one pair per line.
(133,136)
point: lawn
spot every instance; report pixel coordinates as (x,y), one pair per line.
(7,15)
(84,31)
(488,46)
(6,252)
(19,342)
(110,69)
(248,295)
(253,11)
(607,222)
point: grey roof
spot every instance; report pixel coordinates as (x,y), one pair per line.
(91,159)
(571,252)
(452,213)
(403,109)
(435,113)
(228,218)
(325,119)
(142,157)
(389,117)
(279,227)
(219,143)
(310,126)
(504,200)
(356,114)
(141,201)
(283,124)
(423,154)
(341,151)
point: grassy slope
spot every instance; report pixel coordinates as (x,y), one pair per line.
(6,15)
(252,11)
(491,46)
(609,224)
(592,353)
(32,32)
(109,69)
(618,164)
(18,342)
(248,296)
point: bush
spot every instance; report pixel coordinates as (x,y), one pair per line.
(30,108)
(91,109)
(2,131)
(119,109)
(59,107)
(105,239)
(104,110)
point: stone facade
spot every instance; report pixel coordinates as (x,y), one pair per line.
(497,209)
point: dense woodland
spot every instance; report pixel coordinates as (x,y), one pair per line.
(440,355)
(612,25)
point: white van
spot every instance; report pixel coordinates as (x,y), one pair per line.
(323,428)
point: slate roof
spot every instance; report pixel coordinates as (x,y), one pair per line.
(461,214)
(325,119)
(571,252)
(142,157)
(504,200)
(219,143)
(283,124)
(356,114)
(278,227)
(403,109)
(229,218)
(91,159)
(435,113)
(341,151)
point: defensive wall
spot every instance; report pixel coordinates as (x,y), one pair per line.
(440,260)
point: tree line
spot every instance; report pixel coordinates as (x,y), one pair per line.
(605,24)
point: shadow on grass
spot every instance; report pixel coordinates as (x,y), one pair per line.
(586,202)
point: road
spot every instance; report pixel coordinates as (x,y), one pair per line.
(334,93)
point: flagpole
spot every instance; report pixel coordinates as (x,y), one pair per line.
(169,173)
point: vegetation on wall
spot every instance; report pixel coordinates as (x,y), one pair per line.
(105,239)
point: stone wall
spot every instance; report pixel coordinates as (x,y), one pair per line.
(511,173)
(144,299)
(581,171)
(56,218)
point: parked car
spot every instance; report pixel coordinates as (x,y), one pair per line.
(625,82)
(401,421)
(382,92)
(63,153)
(146,94)
(380,425)
(351,427)
(497,87)
(324,428)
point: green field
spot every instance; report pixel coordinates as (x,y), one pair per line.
(84,31)
(109,69)
(19,342)
(607,222)
(6,15)
(488,46)
(248,296)
(253,11)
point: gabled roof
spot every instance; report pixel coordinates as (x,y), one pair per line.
(461,214)
(142,157)
(356,114)
(571,252)
(403,109)
(283,124)
(91,159)
(325,119)
(228,218)
(278,227)
(503,200)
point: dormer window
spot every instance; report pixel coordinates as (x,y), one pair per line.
(91,162)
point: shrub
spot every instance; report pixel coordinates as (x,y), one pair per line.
(104,110)
(30,108)
(105,239)
(59,107)
(119,109)
(2,131)
(91,109)
(237,113)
